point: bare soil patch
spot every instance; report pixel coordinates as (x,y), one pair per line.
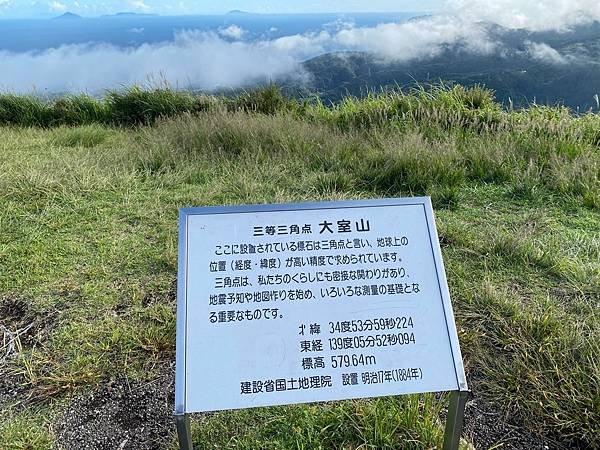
(169,297)
(487,427)
(120,415)
(21,327)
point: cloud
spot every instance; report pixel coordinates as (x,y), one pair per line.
(193,59)
(139,5)
(417,39)
(545,53)
(304,45)
(57,6)
(232,32)
(533,15)
(208,60)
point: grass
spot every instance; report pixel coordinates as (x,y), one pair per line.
(383,424)
(25,431)
(88,237)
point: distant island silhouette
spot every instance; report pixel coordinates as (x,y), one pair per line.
(68,16)
(129,14)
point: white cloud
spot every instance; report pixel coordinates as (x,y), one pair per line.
(534,15)
(202,60)
(232,32)
(139,5)
(58,6)
(424,38)
(209,61)
(545,53)
(306,45)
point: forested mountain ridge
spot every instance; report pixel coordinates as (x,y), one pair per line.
(525,68)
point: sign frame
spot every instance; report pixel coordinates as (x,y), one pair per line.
(458,398)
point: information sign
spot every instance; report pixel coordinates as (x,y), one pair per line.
(284,304)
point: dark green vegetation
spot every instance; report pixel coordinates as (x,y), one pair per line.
(88,243)
(131,107)
(565,70)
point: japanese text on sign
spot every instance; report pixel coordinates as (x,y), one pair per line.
(306,303)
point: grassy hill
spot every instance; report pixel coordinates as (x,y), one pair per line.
(89,197)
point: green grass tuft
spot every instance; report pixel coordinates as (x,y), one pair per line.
(26,111)
(84,136)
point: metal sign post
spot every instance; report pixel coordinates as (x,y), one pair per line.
(313,302)
(184,432)
(455,419)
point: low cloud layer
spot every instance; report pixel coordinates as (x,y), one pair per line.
(192,59)
(226,59)
(214,60)
(417,39)
(533,15)
(544,53)
(232,32)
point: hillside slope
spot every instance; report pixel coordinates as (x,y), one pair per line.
(88,255)
(546,68)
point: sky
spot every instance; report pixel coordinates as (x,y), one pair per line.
(41,8)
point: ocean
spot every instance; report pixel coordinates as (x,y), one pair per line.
(133,30)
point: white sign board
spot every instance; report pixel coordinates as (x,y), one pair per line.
(283,304)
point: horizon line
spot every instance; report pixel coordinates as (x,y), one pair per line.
(46,16)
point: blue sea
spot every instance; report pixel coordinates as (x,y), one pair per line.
(131,30)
